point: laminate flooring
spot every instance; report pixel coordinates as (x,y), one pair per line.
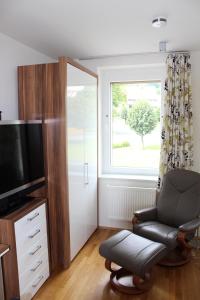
(87,279)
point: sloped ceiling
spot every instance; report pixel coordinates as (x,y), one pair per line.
(96,28)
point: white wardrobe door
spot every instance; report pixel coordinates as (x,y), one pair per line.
(91,154)
(76,155)
(82,206)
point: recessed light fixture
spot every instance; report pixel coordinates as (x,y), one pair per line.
(159,22)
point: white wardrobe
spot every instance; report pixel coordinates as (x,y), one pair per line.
(81,103)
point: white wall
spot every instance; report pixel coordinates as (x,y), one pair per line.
(13,54)
(116,195)
(118,199)
(97,65)
(127,61)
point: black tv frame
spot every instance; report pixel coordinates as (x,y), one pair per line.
(17,197)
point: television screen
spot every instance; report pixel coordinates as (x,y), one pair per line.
(21,156)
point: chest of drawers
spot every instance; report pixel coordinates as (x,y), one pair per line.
(26,267)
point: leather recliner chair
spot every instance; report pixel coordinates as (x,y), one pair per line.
(175,218)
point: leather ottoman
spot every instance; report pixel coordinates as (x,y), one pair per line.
(136,255)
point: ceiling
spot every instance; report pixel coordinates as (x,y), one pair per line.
(97,28)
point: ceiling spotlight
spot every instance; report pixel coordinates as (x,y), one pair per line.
(159,22)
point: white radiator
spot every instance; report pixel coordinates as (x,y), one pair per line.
(117,203)
(124,200)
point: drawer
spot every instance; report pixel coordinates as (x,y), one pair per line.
(29,238)
(31,220)
(32,254)
(34,286)
(33,270)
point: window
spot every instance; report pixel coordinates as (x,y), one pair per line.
(135,126)
(131,130)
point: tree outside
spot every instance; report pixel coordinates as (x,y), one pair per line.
(124,113)
(119,96)
(136,124)
(142,118)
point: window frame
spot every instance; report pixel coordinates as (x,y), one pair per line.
(151,73)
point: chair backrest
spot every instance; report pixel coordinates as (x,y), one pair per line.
(179,200)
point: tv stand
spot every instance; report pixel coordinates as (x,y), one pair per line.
(26,265)
(14,203)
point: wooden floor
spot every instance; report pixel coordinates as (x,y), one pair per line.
(87,279)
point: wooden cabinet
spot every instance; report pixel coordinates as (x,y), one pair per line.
(44,92)
(3,250)
(26,265)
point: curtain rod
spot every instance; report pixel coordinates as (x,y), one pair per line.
(130,54)
(176,52)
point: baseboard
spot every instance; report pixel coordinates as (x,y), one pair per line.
(110,228)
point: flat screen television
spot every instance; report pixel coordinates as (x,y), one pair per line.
(21,161)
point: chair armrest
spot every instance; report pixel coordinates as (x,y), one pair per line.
(190,226)
(147,214)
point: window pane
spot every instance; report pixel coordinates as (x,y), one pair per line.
(136,125)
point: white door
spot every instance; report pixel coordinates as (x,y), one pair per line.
(82,156)
(91,153)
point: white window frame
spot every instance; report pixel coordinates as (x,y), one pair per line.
(131,74)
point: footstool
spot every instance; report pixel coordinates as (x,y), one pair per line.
(136,255)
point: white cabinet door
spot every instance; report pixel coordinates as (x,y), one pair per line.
(91,153)
(81,108)
(75,144)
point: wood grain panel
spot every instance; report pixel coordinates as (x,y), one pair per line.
(31,91)
(9,261)
(70,61)
(42,94)
(3,248)
(55,143)
(63,211)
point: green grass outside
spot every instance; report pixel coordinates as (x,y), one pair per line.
(152,147)
(121,145)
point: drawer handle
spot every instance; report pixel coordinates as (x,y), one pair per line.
(38,281)
(36,250)
(39,264)
(34,234)
(33,217)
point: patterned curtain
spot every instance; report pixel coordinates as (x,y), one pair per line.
(177,142)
